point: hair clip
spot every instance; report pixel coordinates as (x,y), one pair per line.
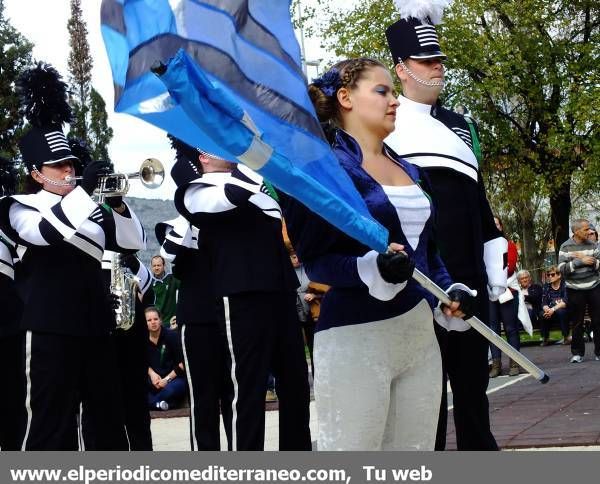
(329,82)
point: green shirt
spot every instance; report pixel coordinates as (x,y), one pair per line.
(165,292)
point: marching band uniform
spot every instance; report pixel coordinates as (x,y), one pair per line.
(472,248)
(241,235)
(132,361)
(69,355)
(201,318)
(370,332)
(67,345)
(13,395)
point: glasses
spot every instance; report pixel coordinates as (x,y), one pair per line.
(551,274)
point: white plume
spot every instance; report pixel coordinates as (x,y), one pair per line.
(421,9)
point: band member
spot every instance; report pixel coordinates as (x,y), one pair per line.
(240,233)
(131,357)
(69,355)
(13,395)
(443,144)
(378,369)
(201,319)
(11,403)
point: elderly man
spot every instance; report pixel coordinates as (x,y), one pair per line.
(532,293)
(579,263)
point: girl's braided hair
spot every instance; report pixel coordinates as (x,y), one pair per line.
(323,90)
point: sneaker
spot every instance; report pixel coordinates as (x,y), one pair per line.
(576,359)
(597,358)
(162,405)
(271,396)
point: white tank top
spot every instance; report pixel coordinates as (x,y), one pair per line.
(413,209)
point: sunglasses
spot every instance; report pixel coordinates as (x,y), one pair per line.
(551,274)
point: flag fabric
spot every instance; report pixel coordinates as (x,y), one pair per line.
(231,83)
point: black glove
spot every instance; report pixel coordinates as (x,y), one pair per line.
(467,302)
(395,267)
(131,262)
(114,202)
(91,173)
(113,301)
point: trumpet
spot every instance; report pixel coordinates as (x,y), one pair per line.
(151,174)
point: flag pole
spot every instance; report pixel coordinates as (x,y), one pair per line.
(484,330)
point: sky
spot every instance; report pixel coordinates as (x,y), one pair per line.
(44,22)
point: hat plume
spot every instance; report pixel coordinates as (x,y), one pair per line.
(43,96)
(431,10)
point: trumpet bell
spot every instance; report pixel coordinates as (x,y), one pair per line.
(152,173)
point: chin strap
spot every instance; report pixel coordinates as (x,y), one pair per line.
(418,79)
(53,182)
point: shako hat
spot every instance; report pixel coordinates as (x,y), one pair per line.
(43,96)
(414,35)
(186,168)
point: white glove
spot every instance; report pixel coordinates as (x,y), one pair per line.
(370,276)
(495,292)
(493,257)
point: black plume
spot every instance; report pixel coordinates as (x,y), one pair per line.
(44,96)
(183,150)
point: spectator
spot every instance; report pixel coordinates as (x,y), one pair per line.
(303,299)
(165,371)
(579,261)
(165,287)
(554,305)
(505,311)
(532,294)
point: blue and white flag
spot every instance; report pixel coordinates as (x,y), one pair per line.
(233,86)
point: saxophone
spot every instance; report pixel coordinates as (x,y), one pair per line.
(123,285)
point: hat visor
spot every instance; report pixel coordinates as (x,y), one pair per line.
(60,160)
(429,55)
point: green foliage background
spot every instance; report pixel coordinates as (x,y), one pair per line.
(527,71)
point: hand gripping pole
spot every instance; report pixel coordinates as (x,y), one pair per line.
(482,329)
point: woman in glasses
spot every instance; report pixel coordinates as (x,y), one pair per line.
(554,305)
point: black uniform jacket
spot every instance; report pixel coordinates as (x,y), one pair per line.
(60,281)
(240,232)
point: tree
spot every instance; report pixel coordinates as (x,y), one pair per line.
(527,70)
(100,133)
(16,57)
(89,109)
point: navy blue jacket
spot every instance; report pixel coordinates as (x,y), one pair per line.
(330,256)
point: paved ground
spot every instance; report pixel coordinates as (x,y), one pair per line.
(524,413)
(563,412)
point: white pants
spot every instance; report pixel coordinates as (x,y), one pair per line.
(378,385)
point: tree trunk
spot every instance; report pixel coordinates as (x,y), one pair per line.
(560,206)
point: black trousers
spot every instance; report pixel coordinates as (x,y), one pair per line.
(577,300)
(204,349)
(132,363)
(263,334)
(12,415)
(60,373)
(465,363)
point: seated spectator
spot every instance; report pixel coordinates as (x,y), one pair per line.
(554,305)
(532,294)
(165,287)
(166,374)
